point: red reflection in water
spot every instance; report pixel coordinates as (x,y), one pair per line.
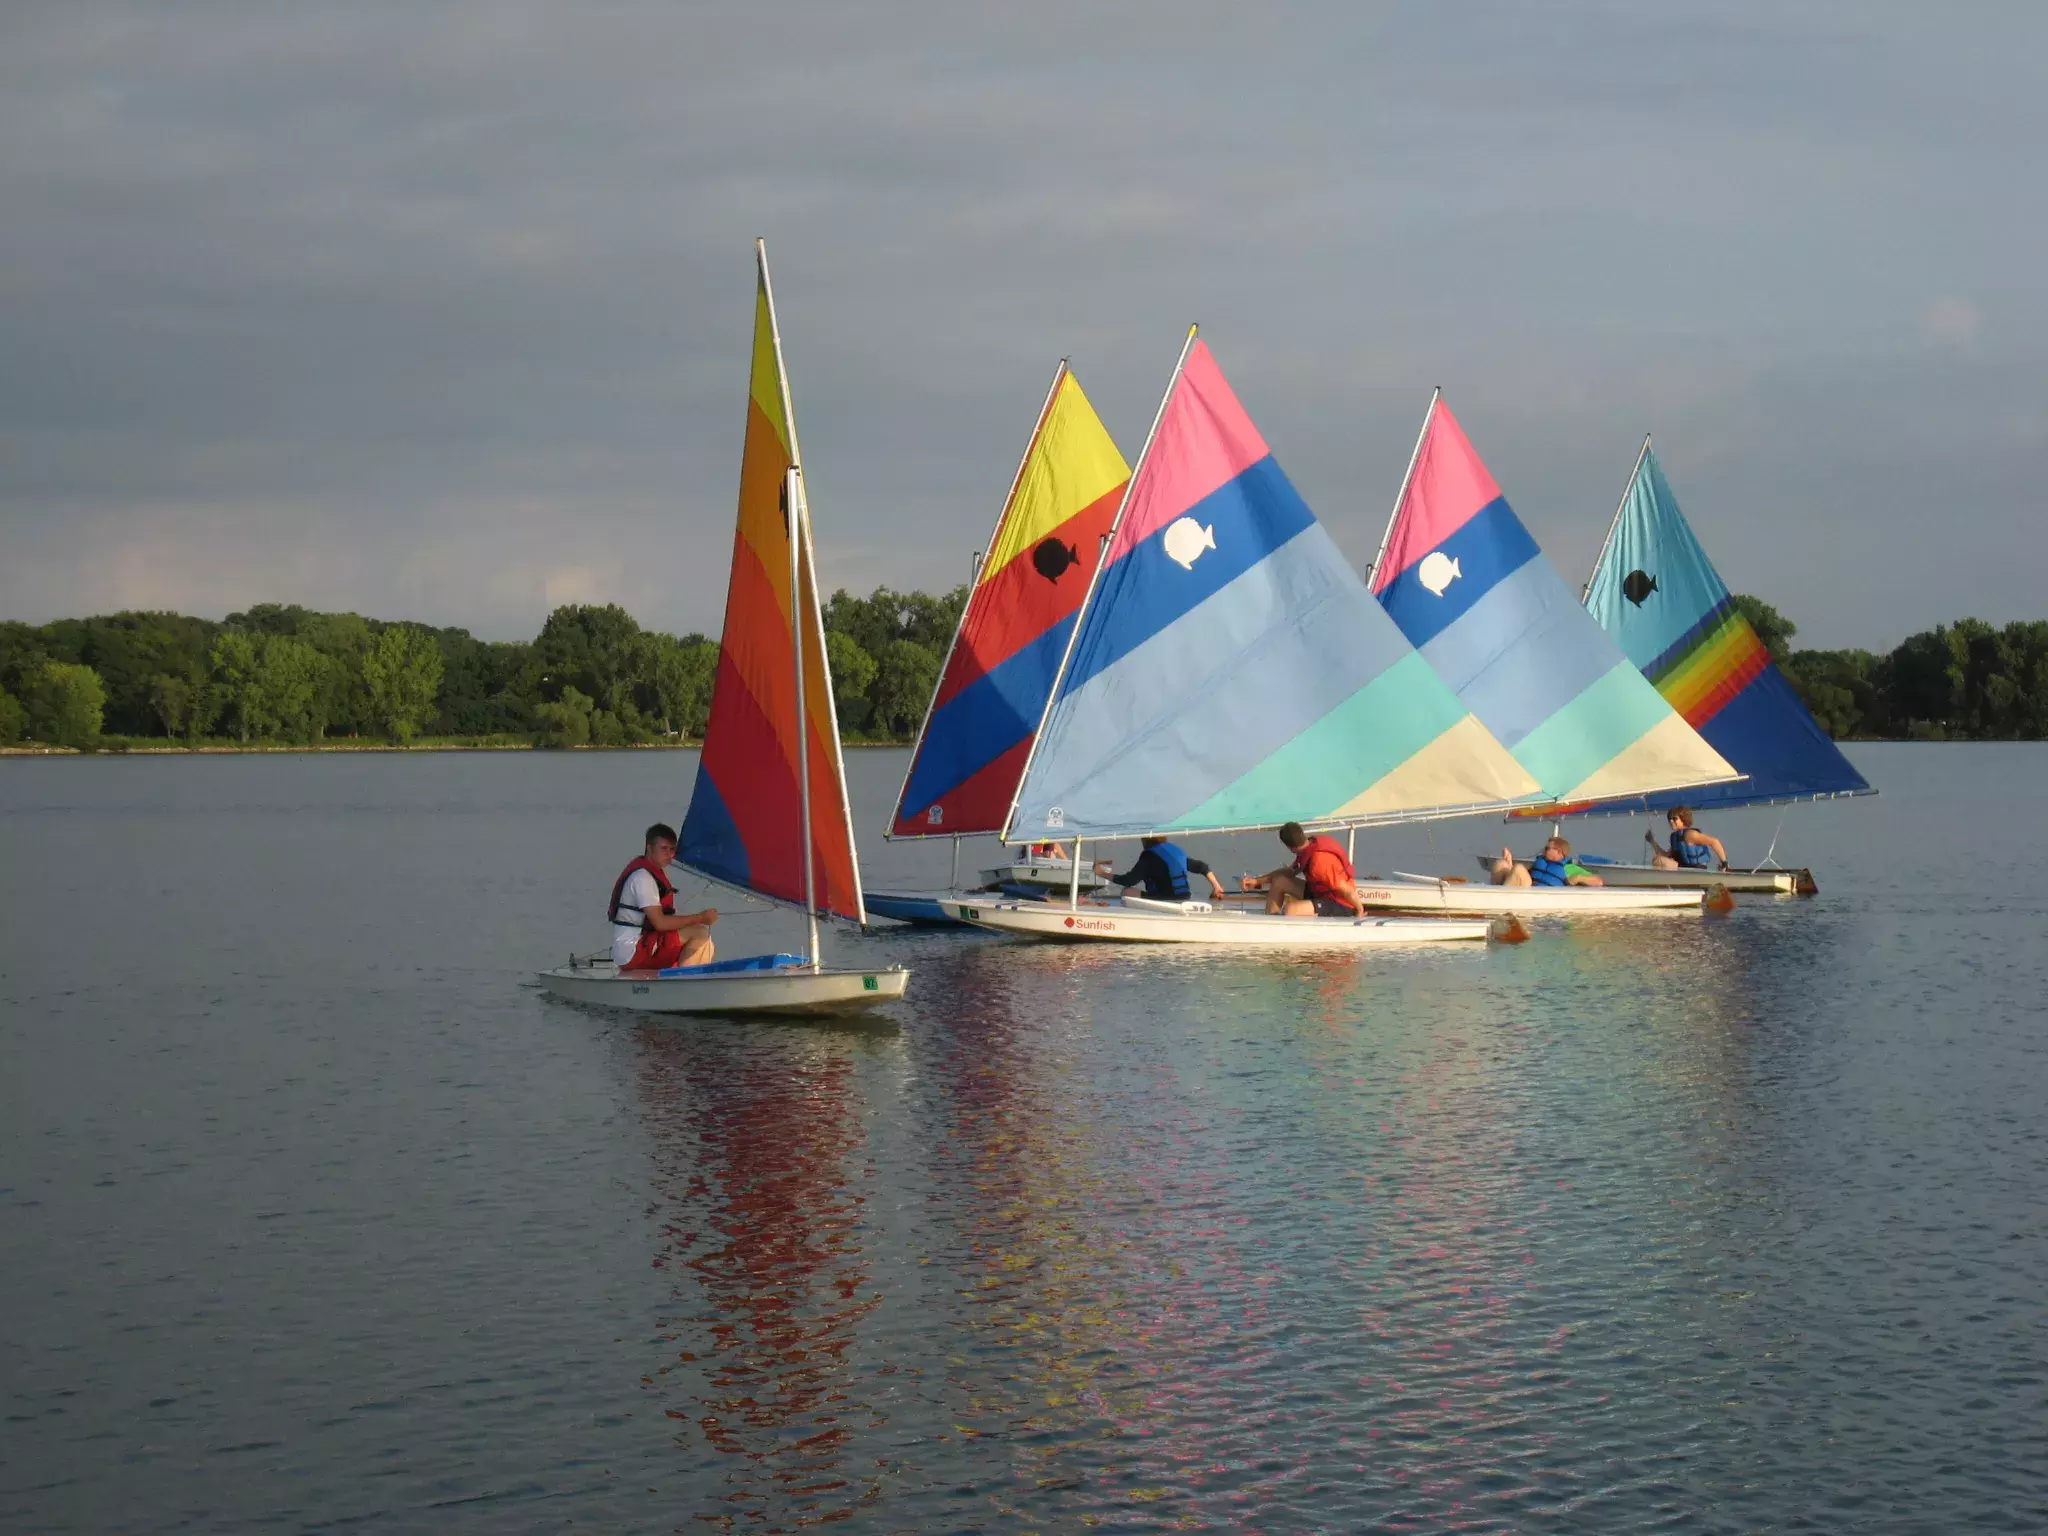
(755,1141)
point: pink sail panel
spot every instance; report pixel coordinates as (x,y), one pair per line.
(1450,486)
(1205,440)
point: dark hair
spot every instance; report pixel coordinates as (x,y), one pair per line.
(1153,839)
(661,831)
(1292,835)
(1683,814)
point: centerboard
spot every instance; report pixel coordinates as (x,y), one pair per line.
(1474,594)
(770,783)
(1654,590)
(1006,650)
(1229,669)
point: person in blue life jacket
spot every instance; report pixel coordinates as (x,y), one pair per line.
(1163,869)
(1554,866)
(1690,847)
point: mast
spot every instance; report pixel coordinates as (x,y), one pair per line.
(959,624)
(1614,522)
(1094,578)
(1407,479)
(792,497)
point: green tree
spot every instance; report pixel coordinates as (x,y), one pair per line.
(853,674)
(13,719)
(596,650)
(684,672)
(905,673)
(1840,689)
(564,722)
(1772,627)
(66,704)
(401,675)
(236,685)
(296,686)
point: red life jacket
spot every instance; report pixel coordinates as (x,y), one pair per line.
(1321,889)
(633,917)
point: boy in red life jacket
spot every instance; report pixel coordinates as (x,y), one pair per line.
(648,934)
(1319,883)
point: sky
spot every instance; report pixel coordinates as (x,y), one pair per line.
(441,310)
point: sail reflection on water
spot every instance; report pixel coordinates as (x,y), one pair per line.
(756,1141)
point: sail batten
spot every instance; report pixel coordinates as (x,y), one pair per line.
(999,671)
(770,782)
(1654,591)
(1467,584)
(1230,670)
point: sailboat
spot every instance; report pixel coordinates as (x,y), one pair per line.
(1470,589)
(1228,672)
(769,813)
(1656,593)
(1006,651)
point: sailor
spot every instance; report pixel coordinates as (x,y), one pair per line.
(1690,847)
(1319,883)
(648,934)
(1554,866)
(1163,868)
(1047,850)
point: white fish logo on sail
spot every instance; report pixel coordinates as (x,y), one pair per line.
(1437,571)
(1186,539)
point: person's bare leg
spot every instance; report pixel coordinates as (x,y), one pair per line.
(1300,906)
(1505,869)
(1663,861)
(1282,890)
(697,947)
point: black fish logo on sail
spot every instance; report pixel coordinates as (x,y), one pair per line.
(1637,585)
(1052,558)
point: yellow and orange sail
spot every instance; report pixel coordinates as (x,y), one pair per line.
(745,824)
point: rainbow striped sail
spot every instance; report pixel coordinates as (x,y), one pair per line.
(1657,594)
(999,673)
(1231,671)
(1472,592)
(745,824)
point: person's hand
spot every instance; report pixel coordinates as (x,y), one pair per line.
(1249,882)
(709,916)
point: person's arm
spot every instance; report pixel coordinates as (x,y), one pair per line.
(1128,878)
(1708,840)
(1260,882)
(669,922)
(1197,867)
(1583,878)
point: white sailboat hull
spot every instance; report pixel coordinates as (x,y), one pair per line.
(1759,882)
(1402,892)
(1053,874)
(790,990)
(1137,921)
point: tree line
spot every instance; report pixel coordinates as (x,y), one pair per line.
(285,675)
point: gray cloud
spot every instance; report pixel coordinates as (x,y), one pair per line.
(442,310)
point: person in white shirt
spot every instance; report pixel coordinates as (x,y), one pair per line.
(648,934)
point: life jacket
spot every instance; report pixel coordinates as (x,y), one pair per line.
(1690,855)
(633,917)
(1321,889)
(1176,862)
(1544,871)
(1042,850)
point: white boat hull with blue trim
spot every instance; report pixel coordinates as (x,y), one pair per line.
(1757,882)
(1137,920)
(1402,892)
(785,989)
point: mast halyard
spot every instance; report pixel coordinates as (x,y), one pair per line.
(1614,522)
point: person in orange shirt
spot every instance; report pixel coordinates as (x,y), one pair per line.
(1319,883)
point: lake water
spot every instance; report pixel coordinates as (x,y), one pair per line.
(314,1213)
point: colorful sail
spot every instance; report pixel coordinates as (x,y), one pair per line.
(999,673)
(745,824)
(1472,592)
(1230,669)
(1657,594)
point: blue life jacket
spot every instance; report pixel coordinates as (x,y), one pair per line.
(1544,871)
(1176,862)
(1690,855)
